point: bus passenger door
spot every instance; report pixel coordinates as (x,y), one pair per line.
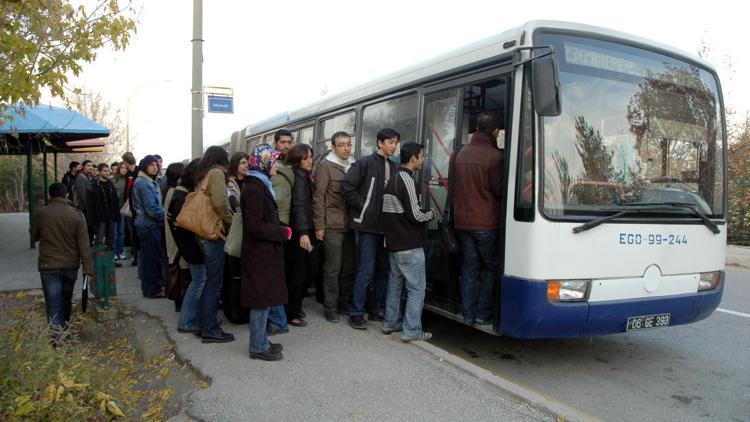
(438,137)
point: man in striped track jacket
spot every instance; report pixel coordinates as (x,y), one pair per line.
(403,223)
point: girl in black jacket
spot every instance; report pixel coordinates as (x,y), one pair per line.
(302,266)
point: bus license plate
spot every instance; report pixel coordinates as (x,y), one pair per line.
(645,322)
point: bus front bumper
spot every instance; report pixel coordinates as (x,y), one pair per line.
(526,312)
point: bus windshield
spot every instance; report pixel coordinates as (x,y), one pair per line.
(636,127)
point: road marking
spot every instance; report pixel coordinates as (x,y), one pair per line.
(727,311)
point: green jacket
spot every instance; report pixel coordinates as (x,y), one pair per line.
(63,237)
(216,189)
(282,187)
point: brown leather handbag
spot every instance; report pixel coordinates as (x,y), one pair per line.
(198,215)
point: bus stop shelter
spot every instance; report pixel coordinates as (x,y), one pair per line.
(43,129)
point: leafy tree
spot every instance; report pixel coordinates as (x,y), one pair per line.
(739,184)
(44,41)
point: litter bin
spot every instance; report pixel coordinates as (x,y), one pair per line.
(104,285)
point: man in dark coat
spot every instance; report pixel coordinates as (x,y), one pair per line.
(476,192)
(105,207)
(69,178)
(362,187)
(263,284)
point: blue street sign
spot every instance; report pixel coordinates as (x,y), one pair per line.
(218,104)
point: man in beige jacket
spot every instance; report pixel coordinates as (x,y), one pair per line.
(331,219)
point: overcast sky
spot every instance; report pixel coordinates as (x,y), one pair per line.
(279,55)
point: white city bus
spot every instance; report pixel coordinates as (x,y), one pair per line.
(615,173)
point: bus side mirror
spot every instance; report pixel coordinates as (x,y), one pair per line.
(545,86)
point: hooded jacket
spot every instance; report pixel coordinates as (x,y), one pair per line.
(282,186)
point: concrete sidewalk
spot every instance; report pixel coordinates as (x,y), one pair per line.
(329,371)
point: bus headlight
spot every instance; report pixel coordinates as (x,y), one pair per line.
(567,290)
(709,280)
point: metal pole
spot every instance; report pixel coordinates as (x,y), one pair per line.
(30,189)
(196,91)
(44,172)
(55,160)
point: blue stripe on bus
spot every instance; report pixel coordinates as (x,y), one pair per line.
(526,312)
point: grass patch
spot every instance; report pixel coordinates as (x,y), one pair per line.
(96,374)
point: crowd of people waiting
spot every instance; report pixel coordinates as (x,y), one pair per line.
(365,217)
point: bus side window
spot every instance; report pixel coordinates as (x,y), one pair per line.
(343,122)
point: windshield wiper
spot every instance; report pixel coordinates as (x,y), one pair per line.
(679,205)
(593,223)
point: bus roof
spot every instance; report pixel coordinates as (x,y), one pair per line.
(478,51)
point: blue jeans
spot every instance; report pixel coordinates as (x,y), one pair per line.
(480,254)
(120,235)
(58,288)
(407,269)
(213,256)
(277,318)
(151,260)
(371,250)
(258,339)
(191,302)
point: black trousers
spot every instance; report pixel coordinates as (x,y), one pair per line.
(301,269)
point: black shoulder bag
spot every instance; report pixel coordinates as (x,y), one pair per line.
(446,229)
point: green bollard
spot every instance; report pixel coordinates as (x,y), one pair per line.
(105,285)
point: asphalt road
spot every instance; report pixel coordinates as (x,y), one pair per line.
(692,372)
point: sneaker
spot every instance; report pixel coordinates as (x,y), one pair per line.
(357,322)
(270,331)
(186,330)
(269,355)
(298,322)
(276,347)
(389,331)
(220,337)
(133,262)
(118,264)
(483,321)
(375,317)
(332,316)
(424,335)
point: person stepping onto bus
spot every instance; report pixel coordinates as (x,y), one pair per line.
(331,219)
(363,187)
(263,285)
(477,187)
(403,221)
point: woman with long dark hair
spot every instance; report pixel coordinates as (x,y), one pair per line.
(263,237)
(212,180)
(302,265)
(189,251)
(237,173)
(231,291)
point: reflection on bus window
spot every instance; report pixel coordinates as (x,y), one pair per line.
(342,122)
(655,137)
(399,114)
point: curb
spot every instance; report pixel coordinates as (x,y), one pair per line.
(556,408)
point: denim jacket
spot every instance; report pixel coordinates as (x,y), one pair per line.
(146,199)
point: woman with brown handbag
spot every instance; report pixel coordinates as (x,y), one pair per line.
(212,180)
